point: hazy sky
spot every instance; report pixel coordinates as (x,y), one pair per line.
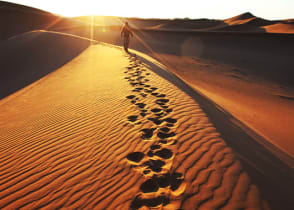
(218,9)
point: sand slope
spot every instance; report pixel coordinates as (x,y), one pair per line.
(28,57)
(280,28)
(17,19)
(106,132)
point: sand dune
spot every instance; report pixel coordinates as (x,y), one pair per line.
(247,18)
(23,19)
(245,22)
(30,56)
(99,134)
(110,130)
(16,19)
(59,147)
(280,28)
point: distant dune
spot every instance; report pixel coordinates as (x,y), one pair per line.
(23,19)
(245,22)
(280,28)
(16,19)
(247,18)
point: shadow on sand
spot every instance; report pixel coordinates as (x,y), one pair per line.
(30,56)
(269,168)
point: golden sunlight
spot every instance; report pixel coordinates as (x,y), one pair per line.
(164,9)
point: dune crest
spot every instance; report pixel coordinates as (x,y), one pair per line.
(239,19)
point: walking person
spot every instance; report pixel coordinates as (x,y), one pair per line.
(126,32)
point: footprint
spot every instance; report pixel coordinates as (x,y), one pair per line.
(154,94)
(164,153)
(140,77)
(164,129)
(159,114)
(150,154)
(176,180)
(156,121)
(150,185)
(169,125)
(148,91)
(147,133)
(163,180)
(156,110)
(141,105)
(162,101)
(143,95)
(130,96)
(143,114)
(161,96)
(170,120)
(168,110)
(154,165)
(147,171)
(165,135)
(168,142)
(135,156)
(134,83)
(155,146)
(139,202)
(132,118)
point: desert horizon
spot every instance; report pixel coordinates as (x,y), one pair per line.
(158,113)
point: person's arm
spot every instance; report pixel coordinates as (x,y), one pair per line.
(122,31)
(130,31)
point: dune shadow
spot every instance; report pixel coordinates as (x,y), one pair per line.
(268,167)
(30,56)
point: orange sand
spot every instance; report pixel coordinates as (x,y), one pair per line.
(68,141)
(109,130)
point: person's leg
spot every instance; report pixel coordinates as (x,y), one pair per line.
(127,43)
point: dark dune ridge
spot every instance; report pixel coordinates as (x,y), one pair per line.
(30,56)
(16,19)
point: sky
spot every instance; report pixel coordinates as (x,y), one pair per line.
(214,9)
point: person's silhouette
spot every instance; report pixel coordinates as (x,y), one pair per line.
(126,32)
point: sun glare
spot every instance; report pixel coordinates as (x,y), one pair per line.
(165,9)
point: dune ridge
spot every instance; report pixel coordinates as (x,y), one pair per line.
(68,145)
(23,19)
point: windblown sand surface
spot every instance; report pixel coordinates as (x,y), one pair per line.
(114,130)
(104,131)
(243,97)
(249,75)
